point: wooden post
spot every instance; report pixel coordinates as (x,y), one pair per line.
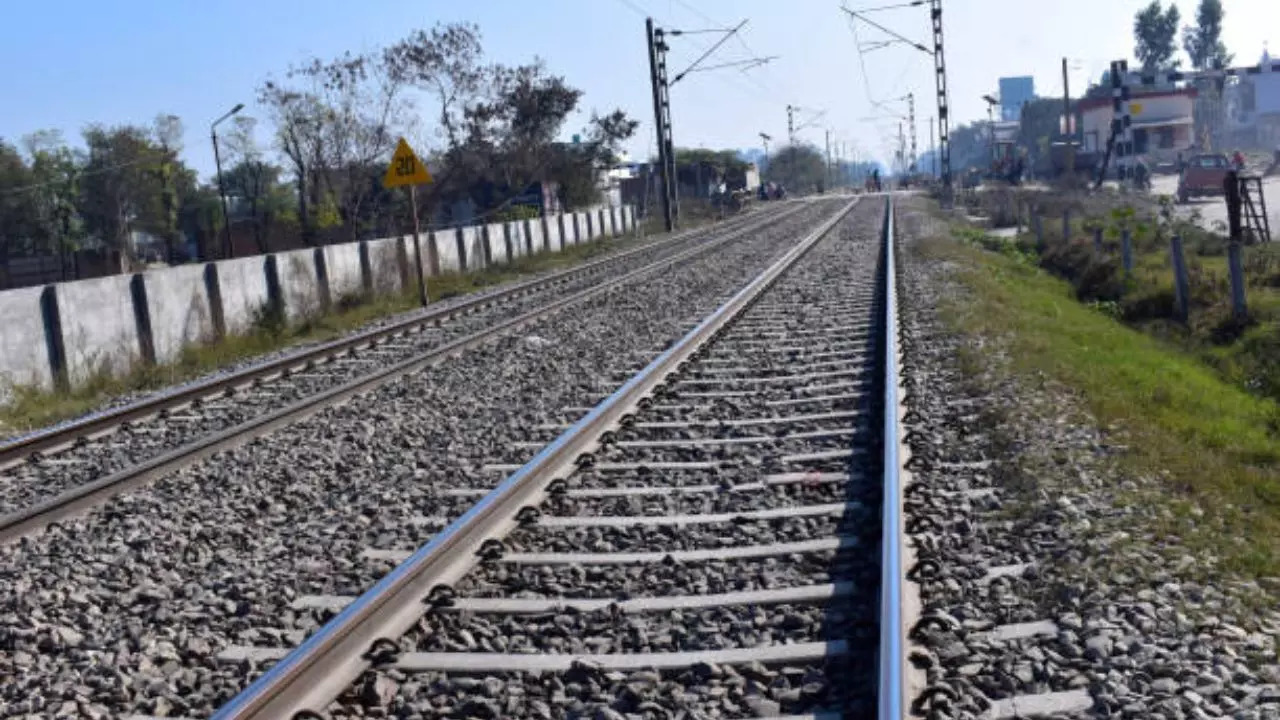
(1097,239)
(1181,287)
(1066,225)
(417,246)
(1235,250)
(1235,267)
(1126,249)
(1039,224)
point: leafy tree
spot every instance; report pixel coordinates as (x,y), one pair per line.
(509,135)
(799,168)
(970,146)
(254,181)
(299,137)
(1203,42)
(445,61)
(1155,31)
(576,167)
(54,197)
(168,134)
(18,225)
(120,190)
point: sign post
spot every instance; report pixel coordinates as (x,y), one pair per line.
(407,170)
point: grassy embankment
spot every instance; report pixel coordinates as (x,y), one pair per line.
(1212,445)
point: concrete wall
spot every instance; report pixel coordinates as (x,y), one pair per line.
(473,243)
(519,238)
(24,355)
(386,270)
(111,324)
(179,311)
(99,331)
(496,238)
(575,228)
(555,238)
(243,284)
(447,250)
(299,286)
(342,262)
(533,230)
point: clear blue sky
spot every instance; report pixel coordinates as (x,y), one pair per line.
(74,62)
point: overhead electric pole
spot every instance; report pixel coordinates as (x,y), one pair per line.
(827,185)
(662,122)
(940,81)
(1067,119)
(911,121)
(765,162)
(657,40)
(791,125)
(933,152)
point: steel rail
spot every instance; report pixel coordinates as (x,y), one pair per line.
(891,657)
(325,664)
(23,521)
(15,450)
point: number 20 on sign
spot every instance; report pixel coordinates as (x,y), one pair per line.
(405,169)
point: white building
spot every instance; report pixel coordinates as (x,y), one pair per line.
(1163,122)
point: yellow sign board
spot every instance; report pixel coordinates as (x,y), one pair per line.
(1135,108)
(405,168)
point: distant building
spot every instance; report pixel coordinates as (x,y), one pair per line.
(1163,122)
(1014,92)
(1253,107)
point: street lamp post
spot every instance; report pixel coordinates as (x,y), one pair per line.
(222,192)
(764,164)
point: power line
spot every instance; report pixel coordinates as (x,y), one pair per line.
(679,76)
(78,175)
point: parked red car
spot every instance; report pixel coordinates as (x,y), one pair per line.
(1203,175)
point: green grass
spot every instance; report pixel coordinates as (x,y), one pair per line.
(33,407)
(1210,443)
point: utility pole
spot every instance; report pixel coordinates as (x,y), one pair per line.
(1067,129)
(791,138)
(765,162)
(828,180)
(911,118)
(940,81)
(933,152)
(902,147)
(662,121)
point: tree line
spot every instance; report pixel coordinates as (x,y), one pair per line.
(488,132)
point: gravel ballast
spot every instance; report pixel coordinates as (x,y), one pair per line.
(28,483)
(806,307)
(123,610)
(1012,472)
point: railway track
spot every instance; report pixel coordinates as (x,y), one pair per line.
(49,475)
(708,540)
(63,436)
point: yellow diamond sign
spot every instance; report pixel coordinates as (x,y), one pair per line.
(1135,108)
(405,168)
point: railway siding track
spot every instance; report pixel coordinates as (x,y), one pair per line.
(51,475)
(708,537)
(44,443)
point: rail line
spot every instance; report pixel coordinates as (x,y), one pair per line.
(65,435)
(46,498)
(726,522)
